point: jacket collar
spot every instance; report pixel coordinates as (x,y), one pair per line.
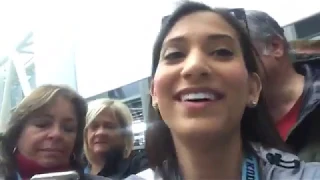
(311,91)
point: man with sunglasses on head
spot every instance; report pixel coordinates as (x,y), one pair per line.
(292,90)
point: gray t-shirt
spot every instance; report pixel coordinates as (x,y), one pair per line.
(289,167)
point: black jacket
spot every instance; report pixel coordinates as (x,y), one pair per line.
(304,137)
(126,167)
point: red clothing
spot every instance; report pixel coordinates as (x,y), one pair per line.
(287,122)
(28,168)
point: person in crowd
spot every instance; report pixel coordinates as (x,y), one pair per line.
(291,89)
(109,140)
(208,119)
(44,135)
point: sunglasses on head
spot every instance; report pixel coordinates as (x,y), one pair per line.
(238,13)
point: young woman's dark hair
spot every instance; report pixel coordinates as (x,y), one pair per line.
(256,123)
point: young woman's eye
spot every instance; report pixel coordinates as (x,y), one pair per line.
(173,55)
(223,53)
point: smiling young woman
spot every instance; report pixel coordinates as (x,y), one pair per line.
(208,120)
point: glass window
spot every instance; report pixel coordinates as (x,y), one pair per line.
(3,74)
(16,94)
(126,91)
(135,106)
(308,27)
(316,37)
(30,70)
(9,79)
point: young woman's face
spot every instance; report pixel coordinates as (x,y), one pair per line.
(201,84)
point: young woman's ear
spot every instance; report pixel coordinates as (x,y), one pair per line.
(255,87)
(154,98)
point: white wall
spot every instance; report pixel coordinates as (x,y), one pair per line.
(114,38)
(114,46)
(54,58)
(54,47)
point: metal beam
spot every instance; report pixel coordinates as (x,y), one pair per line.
(26,42)
(145,98)
(6,100)
(21,73)
(4,60)
(130,98)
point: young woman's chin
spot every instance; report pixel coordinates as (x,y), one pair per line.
(201,129)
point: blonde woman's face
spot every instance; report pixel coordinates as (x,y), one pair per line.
(49,136)
(104,133)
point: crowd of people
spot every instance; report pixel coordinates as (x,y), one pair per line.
(230,98)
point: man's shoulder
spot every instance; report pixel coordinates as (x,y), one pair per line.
(312,61)
(275,164)
(284,165)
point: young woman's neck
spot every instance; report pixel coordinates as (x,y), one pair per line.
(208,160)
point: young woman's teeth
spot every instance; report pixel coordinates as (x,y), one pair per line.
(197,96)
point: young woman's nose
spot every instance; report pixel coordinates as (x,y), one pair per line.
(196,66)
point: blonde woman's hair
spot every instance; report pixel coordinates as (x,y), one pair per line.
(41,99)
(120,112)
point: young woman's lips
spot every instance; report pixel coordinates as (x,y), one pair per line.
(198,98)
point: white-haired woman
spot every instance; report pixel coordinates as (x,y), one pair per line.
(108,140)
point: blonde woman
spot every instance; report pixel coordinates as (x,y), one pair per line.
(108,140)
(44,135)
